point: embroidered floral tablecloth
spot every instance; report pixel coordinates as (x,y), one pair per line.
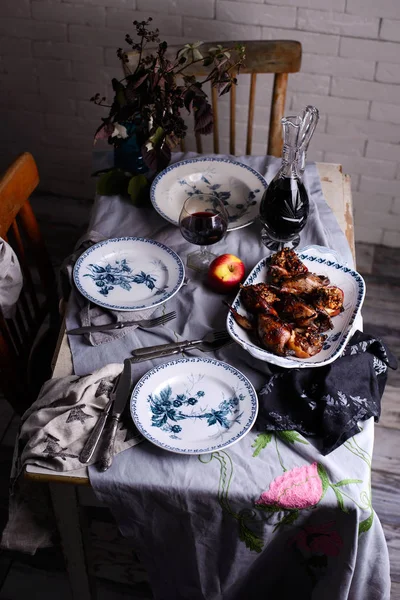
(270,516)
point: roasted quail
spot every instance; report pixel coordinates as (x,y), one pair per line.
(290,313)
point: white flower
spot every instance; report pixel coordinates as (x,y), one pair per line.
(190,51)
(220,50)
(119,131)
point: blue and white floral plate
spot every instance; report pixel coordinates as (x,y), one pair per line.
(129,273)
(238,186)
(194,405)
(322,261)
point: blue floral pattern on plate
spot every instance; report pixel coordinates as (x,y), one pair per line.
(194,405)
(108,277)
(168,408)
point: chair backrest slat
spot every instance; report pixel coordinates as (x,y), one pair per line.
(214,104)
(232,123)
(250,116)
(34,237)
(29,288)
(199,144)
(15,336)
(16,186)
(275,140)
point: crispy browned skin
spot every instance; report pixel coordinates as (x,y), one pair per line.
(296,311)
(285,264)
(257,297)
(304,284)
(274,334)
(329,299)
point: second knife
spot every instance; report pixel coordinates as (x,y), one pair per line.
(121,397)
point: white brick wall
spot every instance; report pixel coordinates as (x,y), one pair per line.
(55,54)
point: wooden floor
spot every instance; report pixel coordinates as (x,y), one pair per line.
(43,575)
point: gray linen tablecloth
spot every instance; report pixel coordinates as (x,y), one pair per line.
(269,516)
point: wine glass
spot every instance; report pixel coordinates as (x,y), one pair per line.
(203,221)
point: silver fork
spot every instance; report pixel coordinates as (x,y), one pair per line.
(149,323)
(211,338)
(142,323)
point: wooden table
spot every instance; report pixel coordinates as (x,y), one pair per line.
(68,498)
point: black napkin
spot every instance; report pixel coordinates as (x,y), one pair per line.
(328,402)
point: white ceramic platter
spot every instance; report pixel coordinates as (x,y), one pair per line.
(194,405)
(128,273)
(238,186)
(321,261)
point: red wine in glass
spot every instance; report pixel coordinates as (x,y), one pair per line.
(203,228)
(203,221)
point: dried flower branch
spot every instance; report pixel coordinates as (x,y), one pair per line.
(157,89)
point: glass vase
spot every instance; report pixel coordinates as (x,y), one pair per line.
(128,151)
(285,205)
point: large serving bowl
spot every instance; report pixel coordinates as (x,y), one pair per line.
(321,261)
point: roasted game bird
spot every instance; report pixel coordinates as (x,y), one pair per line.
(292,310)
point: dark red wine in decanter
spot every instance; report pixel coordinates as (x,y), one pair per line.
(285,205)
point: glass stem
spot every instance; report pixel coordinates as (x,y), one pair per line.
(203,250)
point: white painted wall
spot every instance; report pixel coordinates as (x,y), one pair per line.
(55,54)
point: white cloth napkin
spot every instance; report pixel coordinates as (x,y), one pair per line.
(10,279)
(53,432)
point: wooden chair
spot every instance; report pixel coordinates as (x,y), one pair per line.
(280,57)
(18,226)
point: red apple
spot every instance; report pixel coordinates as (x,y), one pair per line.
(225,273)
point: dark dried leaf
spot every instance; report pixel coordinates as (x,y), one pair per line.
(203,116)
(156,157)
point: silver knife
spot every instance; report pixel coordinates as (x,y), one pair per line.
(91,328)
(179,346)
(93,439)
(121,397)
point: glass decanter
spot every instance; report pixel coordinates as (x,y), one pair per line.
(285,205)
(309,119)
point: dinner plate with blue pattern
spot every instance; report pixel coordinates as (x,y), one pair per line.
(321,261)
(128,273)
(238,186)
(194,405)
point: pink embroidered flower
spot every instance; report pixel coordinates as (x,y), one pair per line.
(298,488)
(319,539)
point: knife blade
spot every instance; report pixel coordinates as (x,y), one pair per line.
(94,437)
(91,328)
(121,397)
